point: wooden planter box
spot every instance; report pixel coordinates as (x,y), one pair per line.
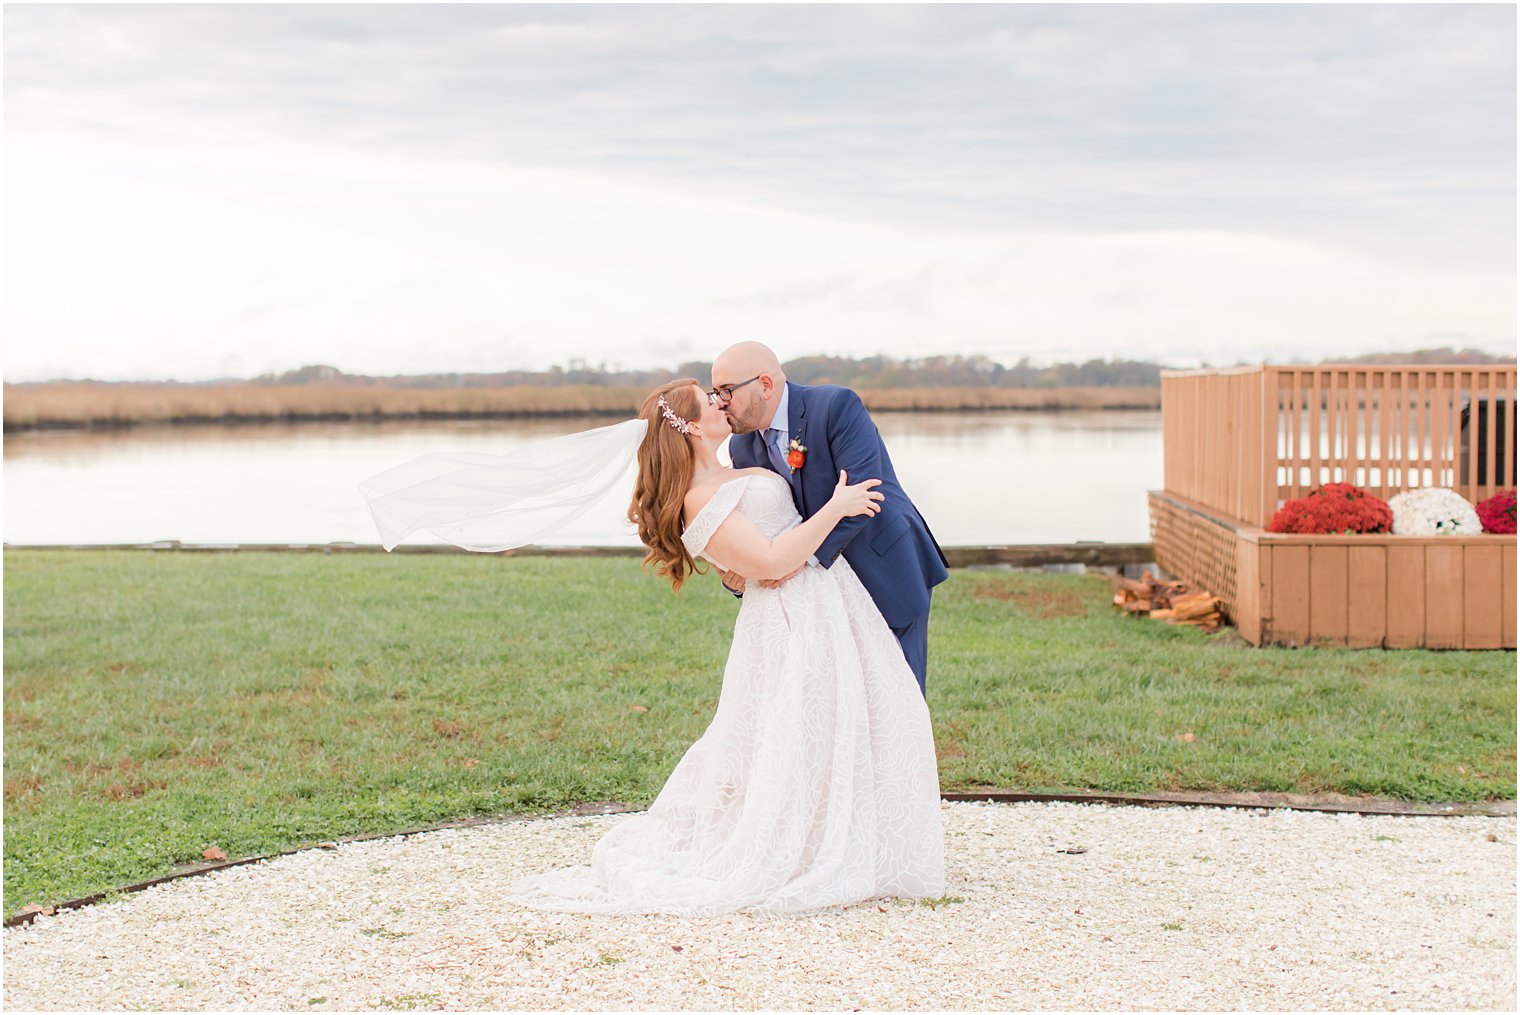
(1353,591)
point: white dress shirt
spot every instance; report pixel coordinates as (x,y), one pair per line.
(782,421)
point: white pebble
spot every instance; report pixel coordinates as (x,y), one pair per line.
(1170,908)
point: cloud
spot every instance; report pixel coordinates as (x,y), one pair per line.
(1381,127)
(402,188)
(165,261)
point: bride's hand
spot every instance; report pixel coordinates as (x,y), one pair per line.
(859,499)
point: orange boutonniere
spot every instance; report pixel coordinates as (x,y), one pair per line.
(796,454)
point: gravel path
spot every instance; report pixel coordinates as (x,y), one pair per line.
(1172,908)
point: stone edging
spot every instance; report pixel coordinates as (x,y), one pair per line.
(1335,804)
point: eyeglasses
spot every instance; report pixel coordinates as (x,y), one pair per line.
(725,392)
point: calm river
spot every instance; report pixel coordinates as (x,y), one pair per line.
(979,478)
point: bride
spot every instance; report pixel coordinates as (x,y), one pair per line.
(815,784)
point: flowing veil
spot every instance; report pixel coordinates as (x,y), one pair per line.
(499,502)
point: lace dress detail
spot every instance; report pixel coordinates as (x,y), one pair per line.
(816,782)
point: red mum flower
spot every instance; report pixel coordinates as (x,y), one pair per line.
(1498,513)
(1333,508)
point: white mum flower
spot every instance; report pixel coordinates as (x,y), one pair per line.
(1436,511)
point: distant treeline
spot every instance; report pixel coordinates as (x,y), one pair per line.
(324,393)
(875,372)
(1445,356)
(872,372)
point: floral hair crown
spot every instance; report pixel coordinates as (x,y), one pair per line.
(680,424)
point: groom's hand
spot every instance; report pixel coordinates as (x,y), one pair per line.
(734,582)
(776,583)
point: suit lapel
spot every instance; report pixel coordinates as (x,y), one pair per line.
(796,418)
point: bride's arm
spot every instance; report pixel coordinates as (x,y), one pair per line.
(744,548)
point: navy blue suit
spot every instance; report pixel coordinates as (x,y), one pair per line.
(893,553)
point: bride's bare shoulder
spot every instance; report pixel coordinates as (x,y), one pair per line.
(700,493)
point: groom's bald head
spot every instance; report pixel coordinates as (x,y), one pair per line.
(748,359)
(753,404)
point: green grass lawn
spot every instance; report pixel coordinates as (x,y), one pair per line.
(157,704)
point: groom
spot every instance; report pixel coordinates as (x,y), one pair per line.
(809,434)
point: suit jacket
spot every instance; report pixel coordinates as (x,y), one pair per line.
(893,553)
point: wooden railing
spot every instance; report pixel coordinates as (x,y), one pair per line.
(1244,440)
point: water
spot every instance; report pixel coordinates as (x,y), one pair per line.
(978,478)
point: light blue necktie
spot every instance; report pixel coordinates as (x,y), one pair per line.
(772,444)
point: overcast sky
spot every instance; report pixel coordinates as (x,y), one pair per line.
(203,191)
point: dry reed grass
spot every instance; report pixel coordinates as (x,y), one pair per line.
(978,399)
(82,404)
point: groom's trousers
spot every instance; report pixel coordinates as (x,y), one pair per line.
(914,639)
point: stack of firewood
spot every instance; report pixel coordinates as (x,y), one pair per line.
(1172,602)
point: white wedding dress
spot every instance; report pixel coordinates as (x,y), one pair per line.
(816,782)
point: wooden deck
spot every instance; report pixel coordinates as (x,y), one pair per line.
(1243,441)
(1238,443)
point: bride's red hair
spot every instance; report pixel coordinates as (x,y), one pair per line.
(666,464)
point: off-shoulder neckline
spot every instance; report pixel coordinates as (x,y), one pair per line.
(730,482)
